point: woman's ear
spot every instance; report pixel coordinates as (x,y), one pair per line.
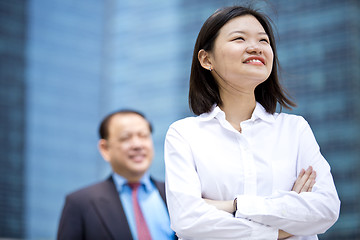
(204,59)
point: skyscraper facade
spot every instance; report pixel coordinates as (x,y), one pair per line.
(320,59)
(63,77)
(12,117)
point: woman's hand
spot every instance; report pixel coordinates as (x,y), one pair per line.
(304,183)
(284,235)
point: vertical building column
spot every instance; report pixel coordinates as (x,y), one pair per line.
(12,115)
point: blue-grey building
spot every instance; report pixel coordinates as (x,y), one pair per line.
(13,30)
(65,64)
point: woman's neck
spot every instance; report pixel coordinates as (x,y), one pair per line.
(238,108)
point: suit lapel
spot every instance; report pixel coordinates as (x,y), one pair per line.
(161,187)
(110,210)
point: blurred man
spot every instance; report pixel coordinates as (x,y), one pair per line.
(129,204)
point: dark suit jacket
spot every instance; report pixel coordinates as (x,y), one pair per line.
(96,212)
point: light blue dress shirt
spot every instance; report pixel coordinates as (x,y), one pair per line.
(152,206)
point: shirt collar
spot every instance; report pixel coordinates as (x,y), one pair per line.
(261,113)
(120,181)
(215,111)
(258,113)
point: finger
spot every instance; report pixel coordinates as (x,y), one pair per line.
(296,187)
(302,172)
(307,185)
(301,180)
(309,170)
(312,177)
(311,185)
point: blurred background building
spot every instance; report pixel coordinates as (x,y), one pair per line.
(64,64)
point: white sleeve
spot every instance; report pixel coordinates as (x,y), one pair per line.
(191,217)
(307,213)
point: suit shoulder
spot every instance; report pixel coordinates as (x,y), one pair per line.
(90,191)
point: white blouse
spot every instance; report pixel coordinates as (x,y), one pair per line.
(205,157)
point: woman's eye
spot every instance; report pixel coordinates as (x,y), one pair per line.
(239,38)
(264,40)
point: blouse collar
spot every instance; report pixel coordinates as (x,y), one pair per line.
(258,113)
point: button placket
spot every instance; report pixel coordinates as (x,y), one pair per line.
(250,174)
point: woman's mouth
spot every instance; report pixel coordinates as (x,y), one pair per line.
(255,61)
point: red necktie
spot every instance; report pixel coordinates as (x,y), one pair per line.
(141,226)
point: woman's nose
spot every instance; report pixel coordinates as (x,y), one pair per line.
(254,48)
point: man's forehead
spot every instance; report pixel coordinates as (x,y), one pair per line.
(130,123)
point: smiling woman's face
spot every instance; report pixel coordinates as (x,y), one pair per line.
(242,57)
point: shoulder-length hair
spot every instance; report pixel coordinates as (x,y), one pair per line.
(204,90)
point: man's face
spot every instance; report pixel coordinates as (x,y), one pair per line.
(129,147)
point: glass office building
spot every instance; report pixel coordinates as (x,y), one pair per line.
(65,64)
(320,58)
(12,117)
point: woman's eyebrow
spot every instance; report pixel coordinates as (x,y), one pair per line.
(242,32)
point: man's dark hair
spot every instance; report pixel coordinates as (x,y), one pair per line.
(104,126)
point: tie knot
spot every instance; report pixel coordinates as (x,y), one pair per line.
(134,185)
